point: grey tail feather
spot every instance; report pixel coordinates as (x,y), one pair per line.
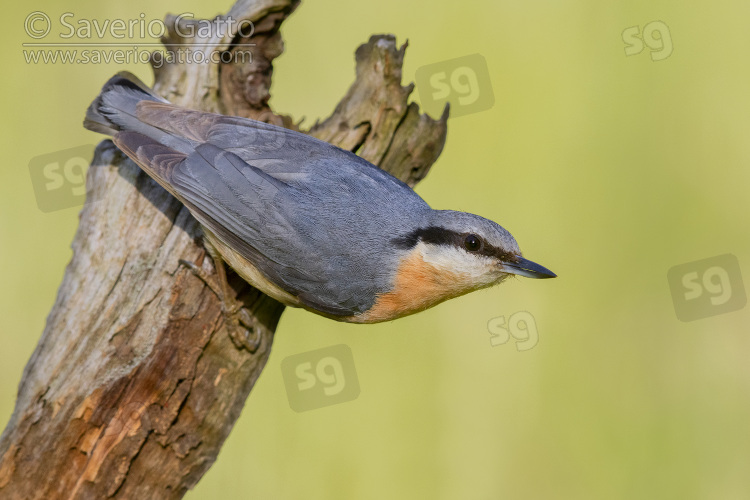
(115,106)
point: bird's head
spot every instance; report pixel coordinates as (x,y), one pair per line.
(471,250)
(447,255)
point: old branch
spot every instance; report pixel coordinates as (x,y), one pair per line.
(135,383)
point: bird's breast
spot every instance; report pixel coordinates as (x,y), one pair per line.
(417,285)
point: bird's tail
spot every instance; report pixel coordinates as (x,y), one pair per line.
(114,109)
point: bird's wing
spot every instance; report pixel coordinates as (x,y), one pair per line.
(246,208)
(292,157)
(276,150)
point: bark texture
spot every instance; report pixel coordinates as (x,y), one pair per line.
(135,383)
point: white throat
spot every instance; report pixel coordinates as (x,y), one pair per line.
(470,270)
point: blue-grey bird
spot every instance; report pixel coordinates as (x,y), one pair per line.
(305,222)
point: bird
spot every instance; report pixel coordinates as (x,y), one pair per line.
(303,221)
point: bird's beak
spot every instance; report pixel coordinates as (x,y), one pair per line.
(524,267)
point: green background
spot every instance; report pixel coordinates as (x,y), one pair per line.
(607,169)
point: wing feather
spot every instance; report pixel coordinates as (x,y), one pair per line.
(240,204)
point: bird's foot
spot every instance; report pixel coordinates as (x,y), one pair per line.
(240,325)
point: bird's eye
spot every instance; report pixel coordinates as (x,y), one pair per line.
(472,243)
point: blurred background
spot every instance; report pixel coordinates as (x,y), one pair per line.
(609,138)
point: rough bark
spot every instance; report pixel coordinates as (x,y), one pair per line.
(135,383)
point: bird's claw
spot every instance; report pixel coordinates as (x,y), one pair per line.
(241,327)
(239,323)
(209,280)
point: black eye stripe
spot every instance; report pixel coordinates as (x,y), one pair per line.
(440,236)
(432,234)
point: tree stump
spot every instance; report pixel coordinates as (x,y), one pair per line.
(135,383)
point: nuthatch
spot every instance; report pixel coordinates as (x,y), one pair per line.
(307,223)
